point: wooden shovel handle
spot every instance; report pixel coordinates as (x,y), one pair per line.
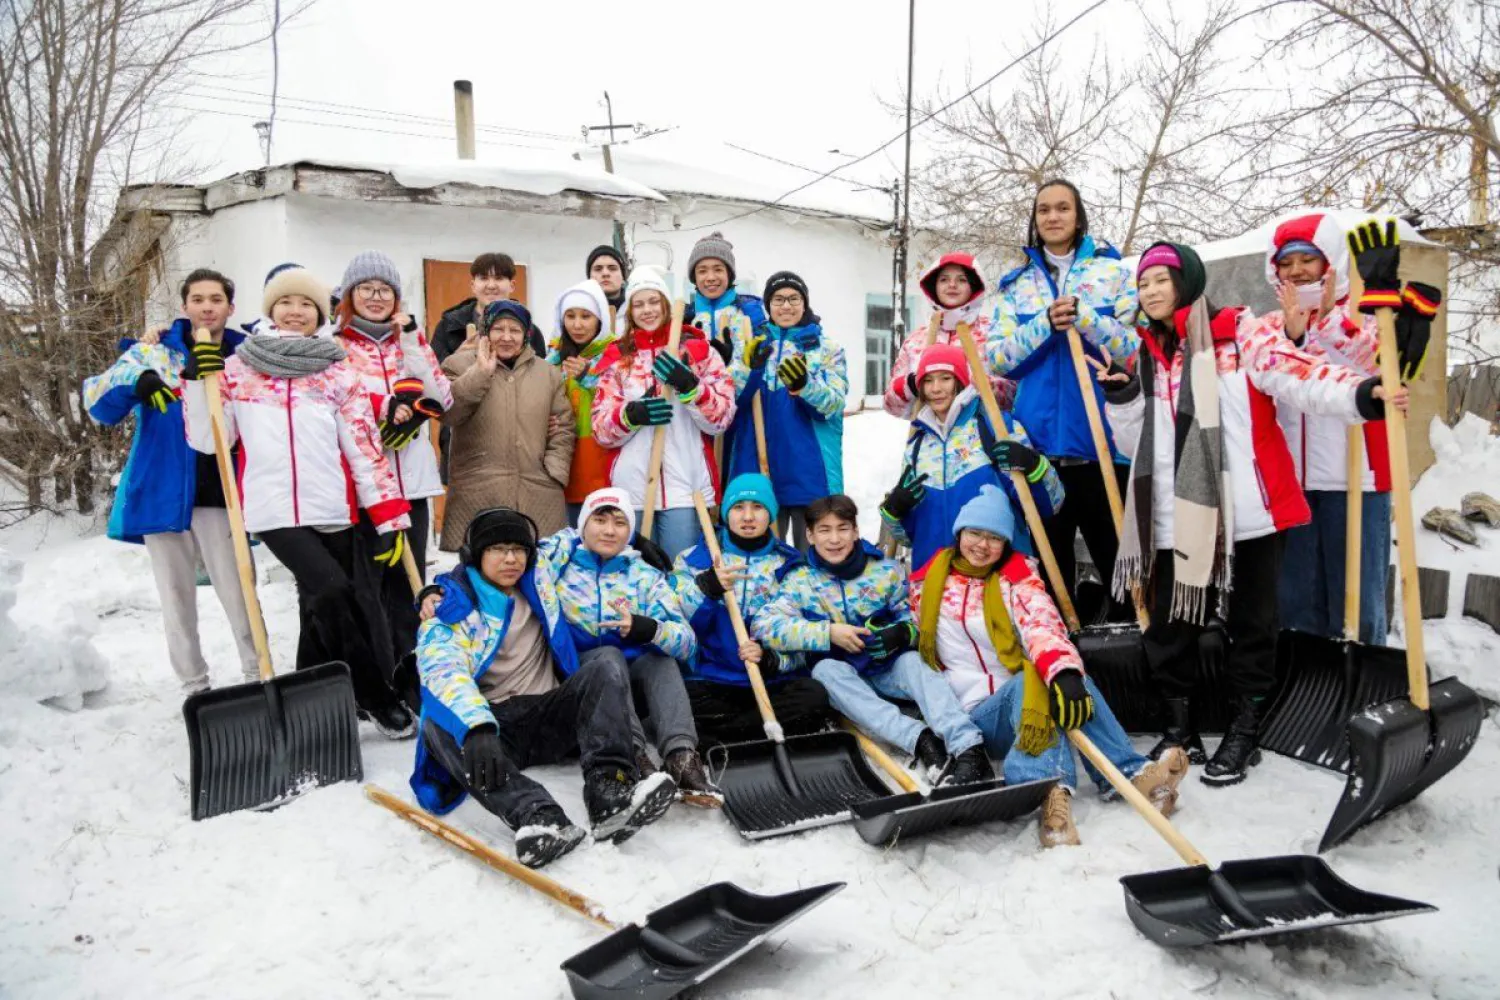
(413,575)
(1354,510)
(1406,531)
(732,602)
(236,516)
(873,751)
(980,379)
(1186,851)
(758,416)
(659,436)
(576,902)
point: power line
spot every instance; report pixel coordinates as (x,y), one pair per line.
(350,128)
(858,185)
(893,139)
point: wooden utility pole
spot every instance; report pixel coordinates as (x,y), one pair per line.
(609,162)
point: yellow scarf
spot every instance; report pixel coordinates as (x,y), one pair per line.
(1037,731)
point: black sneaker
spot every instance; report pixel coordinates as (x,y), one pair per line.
(547,836)
(394,720)
(1238,751)
(618,806)
(968,767)
(931,755)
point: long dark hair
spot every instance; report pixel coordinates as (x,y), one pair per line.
(1034,238)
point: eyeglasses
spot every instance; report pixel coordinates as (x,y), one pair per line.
(380,293)
(509,551)
(787,300)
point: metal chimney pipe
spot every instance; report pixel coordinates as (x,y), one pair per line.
(463,117)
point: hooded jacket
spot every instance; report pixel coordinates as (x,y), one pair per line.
(591,460)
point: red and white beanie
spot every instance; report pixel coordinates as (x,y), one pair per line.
(608,496)
(943,358)
(1316,233)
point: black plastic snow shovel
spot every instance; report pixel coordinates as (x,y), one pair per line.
(1401,748)
(254,746)
(675,948)
(913,813)
(781,785)
(1200,904)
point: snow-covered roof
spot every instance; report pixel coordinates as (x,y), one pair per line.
(541,173)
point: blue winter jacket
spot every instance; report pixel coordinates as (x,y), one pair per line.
(720,318)
(1023,346)
(804,432)
(160,478)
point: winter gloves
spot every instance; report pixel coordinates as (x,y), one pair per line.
(670,369)
(389,548)
(708,582)
(484,759)
(649,411)
(407,392)
(1072,705)
(793,373)
(1120,385)
(642,630)
(1377,254)
(757,353)
(1419,304)
(206,358)
(152,391)
(909,492)
(1010,454)
(889,640)
(724,348)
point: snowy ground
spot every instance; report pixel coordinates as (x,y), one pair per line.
(110,891)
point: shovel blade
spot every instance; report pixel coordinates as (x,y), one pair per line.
(685,942)
(1398,751)
(897,817)
(1115,659)
(830,776)
(254,746)
(1184,908)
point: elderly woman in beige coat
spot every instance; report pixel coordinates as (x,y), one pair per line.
(513,431)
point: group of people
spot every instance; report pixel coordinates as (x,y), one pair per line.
(566,628)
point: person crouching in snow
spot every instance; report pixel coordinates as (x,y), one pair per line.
(847,609)
(987,623)
(503,689)
(582,335)
(1213,487)
(623,611)
(629,406)
(753,565)
(956,291)
(952,452)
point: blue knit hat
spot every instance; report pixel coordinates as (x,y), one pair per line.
(506,307)
(751,486)
(989,511)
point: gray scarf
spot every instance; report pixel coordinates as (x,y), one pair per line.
(289,357)
(370,328)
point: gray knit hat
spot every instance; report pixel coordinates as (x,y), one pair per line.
(712,247)
(370,265)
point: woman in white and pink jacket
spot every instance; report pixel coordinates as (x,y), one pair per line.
(303,421)
(1213,486)
(629,405)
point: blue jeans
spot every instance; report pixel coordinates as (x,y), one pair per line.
(1312,568)
(999,719)
(675,530)
(860,700)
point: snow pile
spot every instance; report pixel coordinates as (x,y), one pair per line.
(543,173)
(49,659)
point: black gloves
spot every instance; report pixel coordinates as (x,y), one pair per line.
(1072,705)
(670,369)
(388,549)
(484,759)
(650,411)
(911,385)
(708,582)
(1419,304)
(793,373)
(757,353)
(1365,403)
(1120,393)
(206,358)
(399,435)
(642,630)
(724,348)
(152,391)
(1377,253)
(887,641)
(1011,454)
(651,553)
(902,500)
(770,660)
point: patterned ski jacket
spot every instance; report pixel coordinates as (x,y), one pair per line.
(591,591)
(965,651)
(1258,368)
(1023,345)
(718,657)
(804,430)
(380,362)
(591,460)
(726,319)
(810,599)
(687,463)
(942,328)
(951,454)
(302,441)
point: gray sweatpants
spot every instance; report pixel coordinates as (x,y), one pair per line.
(174,564)
(655,679)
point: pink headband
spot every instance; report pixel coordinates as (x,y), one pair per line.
(1159,255)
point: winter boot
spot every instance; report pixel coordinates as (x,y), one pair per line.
(1480,507)
(1180,732)
(685,767)
(1447,521)
(394,720)
(968,767)
(618,807)
(931,755)
(1159,779)
(546,836)
(1057,819)
(644,765)
(1238,750)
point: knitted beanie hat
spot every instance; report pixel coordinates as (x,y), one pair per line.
(296,281)
(370,265)
(712,247)
(605,250)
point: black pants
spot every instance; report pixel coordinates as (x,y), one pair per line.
(793,526)
(587,714)
(1085,509)
(339,611)
(1252,622)
(726,713)
(392,588)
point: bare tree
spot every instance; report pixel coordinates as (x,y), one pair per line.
(79,81)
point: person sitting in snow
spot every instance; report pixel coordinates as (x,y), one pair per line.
(952,452)
(847,609)
(988,627)
(623,611)
(753,565)
(170,496)
(503,689)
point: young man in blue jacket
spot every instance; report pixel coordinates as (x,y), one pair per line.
(170,497)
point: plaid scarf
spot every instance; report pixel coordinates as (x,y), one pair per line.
(1202,507)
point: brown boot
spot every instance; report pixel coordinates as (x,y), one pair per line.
(1057,819)
(1159,779)
(693,787)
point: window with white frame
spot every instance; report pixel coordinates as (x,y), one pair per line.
(878,317)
